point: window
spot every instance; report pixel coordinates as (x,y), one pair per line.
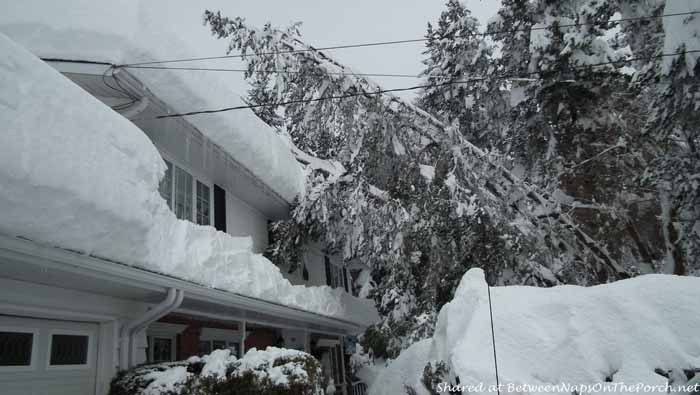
(207,346)
(16,348)
(188,197)
(203,204)
(218,345)
(235,348)
(69,349)
(204,347)
(182,202)
(335,275)
(162,349)
(166,185)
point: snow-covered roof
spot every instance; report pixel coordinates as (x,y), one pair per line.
(77,175)
(120,32)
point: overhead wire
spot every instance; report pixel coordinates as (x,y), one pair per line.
(396,42)
(416,87)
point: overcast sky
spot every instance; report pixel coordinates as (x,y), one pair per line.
(332,22)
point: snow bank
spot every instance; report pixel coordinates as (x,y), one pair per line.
(75,174)
(133,31)
(566,334)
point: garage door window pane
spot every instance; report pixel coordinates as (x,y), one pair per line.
(16,348)
(69,350)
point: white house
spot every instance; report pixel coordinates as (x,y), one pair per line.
(95,275)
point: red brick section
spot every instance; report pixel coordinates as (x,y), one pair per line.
(188,340)
(261,338)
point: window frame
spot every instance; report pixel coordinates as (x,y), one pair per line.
(339,271)
(196,177)
(197,199)
(35,349)
(88,360)
(150,340)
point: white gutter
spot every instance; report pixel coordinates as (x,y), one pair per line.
(49,257)
(136,108)
(131,328)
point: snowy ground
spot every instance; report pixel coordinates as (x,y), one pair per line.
(75,174)
(622,332)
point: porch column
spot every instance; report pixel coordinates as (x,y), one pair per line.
(307,347)
(342,364)
(243,336)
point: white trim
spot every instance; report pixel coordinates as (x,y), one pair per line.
(72,332)
(52,258)
(51,313)
(35,349)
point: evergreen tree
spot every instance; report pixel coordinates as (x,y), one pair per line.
(393,187)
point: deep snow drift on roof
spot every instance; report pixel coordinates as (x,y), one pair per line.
(621,331)
(75,174)
(121,32)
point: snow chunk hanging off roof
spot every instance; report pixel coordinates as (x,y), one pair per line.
(75,174)
(565,334)
(133,31)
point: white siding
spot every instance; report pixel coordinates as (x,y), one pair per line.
(243,220)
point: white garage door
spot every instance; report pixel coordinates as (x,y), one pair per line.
(47,357)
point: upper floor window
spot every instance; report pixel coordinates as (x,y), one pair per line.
(178,189)
(335,275)
(203,204)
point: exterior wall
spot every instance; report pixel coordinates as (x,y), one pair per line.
(243,220)
(314,258)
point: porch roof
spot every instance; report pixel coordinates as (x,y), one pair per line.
(26,260)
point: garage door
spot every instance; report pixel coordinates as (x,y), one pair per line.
(47,357)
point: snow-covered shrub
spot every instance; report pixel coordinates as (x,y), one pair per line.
(260,372)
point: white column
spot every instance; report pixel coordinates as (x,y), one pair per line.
(307,348)
(243,335)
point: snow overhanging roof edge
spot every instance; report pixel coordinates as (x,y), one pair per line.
(95,267)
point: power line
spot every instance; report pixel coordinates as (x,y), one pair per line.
(416,87)
(395,42)
(272,71)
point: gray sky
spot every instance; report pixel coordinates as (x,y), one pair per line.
(328,23)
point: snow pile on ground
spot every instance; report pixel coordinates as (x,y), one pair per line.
(132,31)
(77,175)
(622,332)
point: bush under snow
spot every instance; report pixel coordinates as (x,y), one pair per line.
(270,371)
(641,330)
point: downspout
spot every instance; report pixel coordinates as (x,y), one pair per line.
(129,329)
